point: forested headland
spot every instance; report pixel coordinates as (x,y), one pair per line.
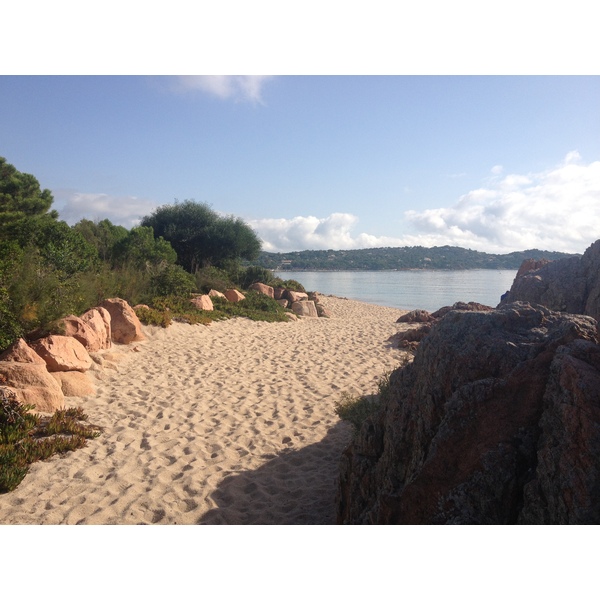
(390,259)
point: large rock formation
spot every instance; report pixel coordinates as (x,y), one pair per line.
(569,285)
(63,353)
(89,329)
(125,325)
(305,308)
(32,384)
(203,302)
(262,288)
(98,320)
(74,383)
(496,421)
(20,352)
(234,295)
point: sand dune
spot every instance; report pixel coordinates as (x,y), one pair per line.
(228,423)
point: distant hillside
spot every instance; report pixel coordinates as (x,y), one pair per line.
(389,259)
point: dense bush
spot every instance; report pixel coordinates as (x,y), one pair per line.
(49,269)
(288,284)
(26,438)
(201,237)
(213,278)
(256,306)
(154,316)
(357,409)
(172,280)
(254,274)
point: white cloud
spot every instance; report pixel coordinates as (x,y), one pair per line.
(556,209)
(120,210)
(497,170)
(226,87)
(299,233)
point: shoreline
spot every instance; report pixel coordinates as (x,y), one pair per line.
(228,423)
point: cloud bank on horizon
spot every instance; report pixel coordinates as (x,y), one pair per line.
(555,209)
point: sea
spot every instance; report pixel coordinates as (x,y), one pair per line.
(426,289)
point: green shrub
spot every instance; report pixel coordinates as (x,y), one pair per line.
(126,282)
(15,419)
(13,468)
(152,316)
(26,438)
(181,309)
(256,306)
(10,328)
(213,278)
(252,275)
(172,280)
(357,409)
(288,284)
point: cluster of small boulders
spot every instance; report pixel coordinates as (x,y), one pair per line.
(41,372)
(301,304)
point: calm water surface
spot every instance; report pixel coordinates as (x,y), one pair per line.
(429,290)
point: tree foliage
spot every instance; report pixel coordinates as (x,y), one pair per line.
(142,250)
(201,237)
(22,201)
(104,236)
(389,259)
(49,269)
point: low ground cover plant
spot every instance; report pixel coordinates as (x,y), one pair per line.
(356,409)
(26,437)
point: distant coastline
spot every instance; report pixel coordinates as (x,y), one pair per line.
(416,258)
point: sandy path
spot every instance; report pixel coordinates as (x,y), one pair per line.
(231,423)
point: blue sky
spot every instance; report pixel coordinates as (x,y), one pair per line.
(494,163)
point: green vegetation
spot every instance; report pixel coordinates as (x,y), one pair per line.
(202,238)
(390,259)
(357,409)
(26,438)
(49,269)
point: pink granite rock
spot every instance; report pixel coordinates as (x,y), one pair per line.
(63,353)
(203,302)
(20,352)
(89,330)
(98,319)
(295,296)
(267,290)
(305,308)
(125,325)
(33,385)
(74,383)
(234,296)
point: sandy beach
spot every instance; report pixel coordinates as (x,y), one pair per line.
(231,423)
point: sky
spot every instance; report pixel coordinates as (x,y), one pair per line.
(440,124)
(492,163)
